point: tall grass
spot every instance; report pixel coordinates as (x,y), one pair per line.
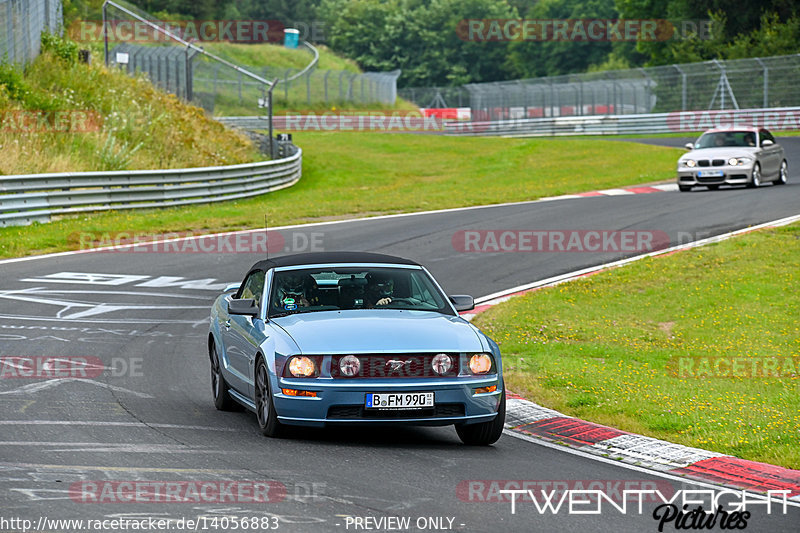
(136,125)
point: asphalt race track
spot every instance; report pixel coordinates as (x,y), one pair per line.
(144,410)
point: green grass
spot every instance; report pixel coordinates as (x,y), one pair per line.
(607,348)
(360,174)
(278,56)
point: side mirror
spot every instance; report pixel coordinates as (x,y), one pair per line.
(767,142)
(242,307)
(462,302)
(689,146)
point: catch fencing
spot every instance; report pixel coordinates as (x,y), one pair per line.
(685,122)
(219,74)
(21,25)
(769,82)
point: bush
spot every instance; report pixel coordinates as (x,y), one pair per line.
(60,47)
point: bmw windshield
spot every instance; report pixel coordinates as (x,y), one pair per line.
(344,288)
(725,139)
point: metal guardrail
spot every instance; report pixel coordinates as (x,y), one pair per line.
(39,197)
(783,118)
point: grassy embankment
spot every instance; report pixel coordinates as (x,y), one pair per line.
(666,347)
(119,122)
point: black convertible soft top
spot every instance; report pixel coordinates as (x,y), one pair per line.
(329,258)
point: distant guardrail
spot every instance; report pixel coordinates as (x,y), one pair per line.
(778,119)
(39,197)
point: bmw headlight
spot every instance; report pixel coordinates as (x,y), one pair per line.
(738,161)
(691,163)
(302,367)
(480,363)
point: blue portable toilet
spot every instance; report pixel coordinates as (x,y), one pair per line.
(291,37)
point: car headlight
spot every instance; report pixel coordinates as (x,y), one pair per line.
(738,161)
(442,363)
(349,365)
(688,163)
(480,363)
(302,367)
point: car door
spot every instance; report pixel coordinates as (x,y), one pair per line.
(771,155)
(243,334)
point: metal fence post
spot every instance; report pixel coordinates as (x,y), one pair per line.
(105,31)
(766,81)
(308,87)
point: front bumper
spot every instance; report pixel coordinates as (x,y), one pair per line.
(728,175)
(341,401)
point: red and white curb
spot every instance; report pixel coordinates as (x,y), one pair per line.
(645,189)
(528,418)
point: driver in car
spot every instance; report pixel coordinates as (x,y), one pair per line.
(292,292)
(380,289)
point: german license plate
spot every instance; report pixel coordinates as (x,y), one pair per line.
(710,174)
(405,400)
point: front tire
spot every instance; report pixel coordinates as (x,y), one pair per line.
(485,433)
(265,409)
(222,400)
(783,175)
(684,188)
(755,181)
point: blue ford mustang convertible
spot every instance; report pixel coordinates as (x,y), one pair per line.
(353,338)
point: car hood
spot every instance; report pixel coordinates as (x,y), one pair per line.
(379,331)
(721,153)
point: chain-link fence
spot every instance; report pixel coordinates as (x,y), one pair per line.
(436,97)
(21,25)
(734,84)
(224,77)
(233,95)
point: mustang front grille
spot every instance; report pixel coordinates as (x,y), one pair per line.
(396,366)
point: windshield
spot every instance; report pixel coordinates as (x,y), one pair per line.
(332,289)
(726,138)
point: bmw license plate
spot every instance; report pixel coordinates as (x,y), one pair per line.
(405,400)
(710,174)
